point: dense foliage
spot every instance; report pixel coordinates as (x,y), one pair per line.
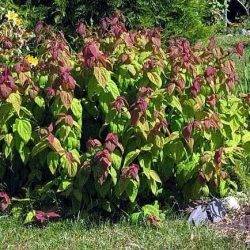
(187,18)
(118,124)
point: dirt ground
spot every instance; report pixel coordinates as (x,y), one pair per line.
(236,224)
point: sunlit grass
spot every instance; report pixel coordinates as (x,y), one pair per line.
(85,234)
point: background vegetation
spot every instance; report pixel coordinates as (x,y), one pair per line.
(186,18)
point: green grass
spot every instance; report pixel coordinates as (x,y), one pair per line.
(84,234)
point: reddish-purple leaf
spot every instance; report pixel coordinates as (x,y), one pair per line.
(218,156)
(210,71)
(119,103)
(69,120)
(239,49)
(103,158)
(111,142)
(4,201)
(93,143)
(39,26)
(196,86)
(130,172)
(50,92)
(42,217)
(187,131)
(81,29)
(211,100)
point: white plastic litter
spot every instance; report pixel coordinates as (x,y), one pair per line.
(231,203)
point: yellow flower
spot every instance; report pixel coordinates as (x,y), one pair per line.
(31,60)
(14,18)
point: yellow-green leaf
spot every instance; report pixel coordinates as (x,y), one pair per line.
(15,100)
(24,129)
(155,176)
(102,75)
(155,79)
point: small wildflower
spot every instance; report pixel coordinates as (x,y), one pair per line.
(14,18)
(33,61)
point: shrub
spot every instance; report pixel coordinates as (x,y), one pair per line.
(186,18)
(121,123)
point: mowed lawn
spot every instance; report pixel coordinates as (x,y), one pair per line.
(85,234)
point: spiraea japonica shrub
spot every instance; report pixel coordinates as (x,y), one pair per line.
(122,122)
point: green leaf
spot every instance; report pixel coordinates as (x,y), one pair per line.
(8,138)
(43,80)
(136,217)
(24,154)
(52,161)
(40,101)
(185,170)
(39,147)
(153,186)
(176,150)
(102,75)
(155,176)
(113,89)
(223,188)
(70,167)
(72,142)
(130,157)
(24,129)
(145,162)
(15,100)
(132,190)
(64,185)
(175,103)
(76,108)
(76,155)
(236,138)
(7,150)
(147,147)
(150,209)
(6,111)
(116,160)
(18,142)
(245,137)
(105,99)
(131,69)
(93,88)
(159,141)
(26,112)
(155,79)
(30,217)
(113,175)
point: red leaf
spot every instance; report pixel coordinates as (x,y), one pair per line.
(4,201)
